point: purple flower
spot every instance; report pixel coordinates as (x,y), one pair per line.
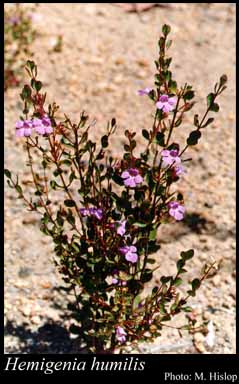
(116,280)
(42,126)
(97,212)
(23,128)
(13,20)
(179,170)
(131,177)
(176,210)
(145,91)
(130,253)
(84,211)
(120,334)
(166,103)
(121,227)
(170,157)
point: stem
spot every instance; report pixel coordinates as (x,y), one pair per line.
(36,183)
(173,120)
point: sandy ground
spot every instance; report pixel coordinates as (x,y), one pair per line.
(107,55)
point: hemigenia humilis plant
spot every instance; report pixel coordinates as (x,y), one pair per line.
(103,213)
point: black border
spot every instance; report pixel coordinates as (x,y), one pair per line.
(155,364)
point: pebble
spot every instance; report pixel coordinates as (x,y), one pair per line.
(36,320)
(216,280)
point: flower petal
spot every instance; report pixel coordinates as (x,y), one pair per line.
(125,175)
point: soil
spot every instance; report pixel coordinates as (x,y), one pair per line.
(107,55)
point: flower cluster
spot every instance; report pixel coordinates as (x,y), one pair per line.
(96,212)
(41,126)
(121,334)
(166,103)
(130,253)
(171,158)
(176,210)
(121,227)
(131,177)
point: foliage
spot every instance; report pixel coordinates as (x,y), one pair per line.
(103,213)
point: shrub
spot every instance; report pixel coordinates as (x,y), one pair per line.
(103,213)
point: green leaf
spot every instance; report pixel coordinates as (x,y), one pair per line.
(70,218)
(66,162)
(7,173)
(210,99)
(178,122)
(84,137)
(188,95)
(145,134)
(153,234)
(19,189)
(147,276)
(187,255)
(180,264)
(140,225)
(104,141)
(113,122)
(162,308)
(166,29)
(169,43)
(30,64)
(165,279)
(26,92)
(38,86)
(195,284)
(191,293)
(214,107)
(127,148)
(69,203)
(187,309)
(172,86)
(166,318)
(223,80)
(160,139)
(38,193)
(194,137)
(151,261)
(53,184)
(178,281)
(136,301)
(117,179)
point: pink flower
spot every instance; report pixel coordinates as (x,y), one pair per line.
(176,210)
(121,227)
(166,103)
(170,157)
(131,177)
(145,91)
(179,170)
(130,252)
(97,212)
(42,126)
(116,280)
(23,128)
(120,334)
